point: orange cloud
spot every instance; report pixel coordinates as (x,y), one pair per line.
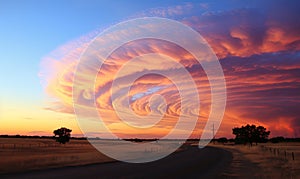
(244,33)
(259,58)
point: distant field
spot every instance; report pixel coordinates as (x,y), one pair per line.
(17,154)
(280,160)
(21,154)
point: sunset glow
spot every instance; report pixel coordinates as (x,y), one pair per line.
(258,48)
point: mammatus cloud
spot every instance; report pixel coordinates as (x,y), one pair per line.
(259,54)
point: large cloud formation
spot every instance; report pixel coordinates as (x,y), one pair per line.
(258,48)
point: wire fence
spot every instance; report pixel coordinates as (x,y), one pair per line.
(38,145)
(280,153)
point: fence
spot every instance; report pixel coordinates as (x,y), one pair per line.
(36,145)
(16,146)
(279,152)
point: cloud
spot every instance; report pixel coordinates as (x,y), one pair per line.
(258,50)
(244,32)
(263,89)
(57,72)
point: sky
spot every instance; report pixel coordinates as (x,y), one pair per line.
(257,44)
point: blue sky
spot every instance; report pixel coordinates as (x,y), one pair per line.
(31,30)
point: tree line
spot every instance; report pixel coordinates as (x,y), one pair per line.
(245,134)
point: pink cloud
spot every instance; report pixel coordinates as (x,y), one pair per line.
(259,57)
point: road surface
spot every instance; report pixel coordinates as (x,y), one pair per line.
(193,162)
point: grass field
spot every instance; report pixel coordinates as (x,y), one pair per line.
(19,154)
(22,154)
(271,160)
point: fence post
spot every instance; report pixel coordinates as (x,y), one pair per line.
(285,154)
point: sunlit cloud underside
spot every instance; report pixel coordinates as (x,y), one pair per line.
(258,50)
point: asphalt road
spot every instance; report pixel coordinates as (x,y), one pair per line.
(190,163)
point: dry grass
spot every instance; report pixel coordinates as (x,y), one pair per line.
(18,154)
(264,160)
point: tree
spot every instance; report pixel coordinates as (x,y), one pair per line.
(62,135)
(250,134)
(222,140)
(277,139)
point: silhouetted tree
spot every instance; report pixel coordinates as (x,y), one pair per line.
(250,134)
(277,139)
(222,140)
(62,135)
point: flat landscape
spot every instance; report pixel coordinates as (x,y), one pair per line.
(44,157)
(150,89)
(19,154)
(265,160)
